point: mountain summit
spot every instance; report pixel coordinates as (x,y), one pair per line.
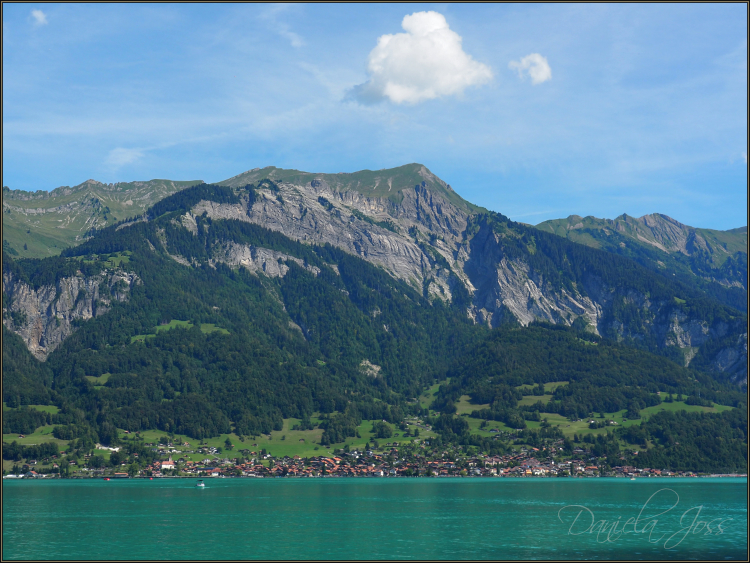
(416,228)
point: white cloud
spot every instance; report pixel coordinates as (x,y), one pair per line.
(120,156)
(426,62)
(744,156)
(40,18)
(535,65)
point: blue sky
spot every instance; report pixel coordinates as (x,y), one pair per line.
(538,111)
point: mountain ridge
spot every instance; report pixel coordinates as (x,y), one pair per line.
(660,227)
(496,270)
(40,224)
(712,260)
(238,309)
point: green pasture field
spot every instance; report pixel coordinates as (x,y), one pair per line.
(532,399)
(569,428)
(290,446)
(549,387)
(172,324)
(39,243)
(464,406)
(99,381)
(52,409)
(428,396)
(114,260)
(474,424)
(41,434)
(206,328)
(681,406)
(118,259)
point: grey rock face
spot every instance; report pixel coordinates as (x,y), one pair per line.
(733,360)
(427,237)
(44,317)
(505,286)
(258,260)
(301,216)
(424,240)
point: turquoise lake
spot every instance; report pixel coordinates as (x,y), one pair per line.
(442,518)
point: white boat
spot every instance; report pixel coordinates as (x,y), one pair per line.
(632,478)
(200,484)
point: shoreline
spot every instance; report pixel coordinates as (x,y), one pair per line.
(621,478)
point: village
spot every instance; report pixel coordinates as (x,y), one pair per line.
(397,461)
(389,460)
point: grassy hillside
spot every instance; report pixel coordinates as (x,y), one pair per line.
(40,224)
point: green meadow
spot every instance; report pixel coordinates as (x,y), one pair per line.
(284,442)
(40,435)
(306,443)
(428,396)
(206,328)
(463,406)
(52,409)
(99,381)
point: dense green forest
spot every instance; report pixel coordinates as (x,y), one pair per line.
(603,376)
(292,346)
(26,381)
(691,441)
(264,369)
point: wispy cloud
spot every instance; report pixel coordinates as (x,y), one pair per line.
(294,39)
(40,18)
(281,27)
(531,214)
(535,65)
(426,62)
(121,156)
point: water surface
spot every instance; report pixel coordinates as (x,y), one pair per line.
(477,518)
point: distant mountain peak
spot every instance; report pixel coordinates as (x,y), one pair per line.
(387,183)
(714,259)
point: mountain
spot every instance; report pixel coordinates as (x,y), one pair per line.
(235,307)
(709,260)
(287,330)
(500,271)
(419,230)
(40,224)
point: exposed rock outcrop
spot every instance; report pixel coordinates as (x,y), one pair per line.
(429,240)
(269,262)
(44,317)
(414,225)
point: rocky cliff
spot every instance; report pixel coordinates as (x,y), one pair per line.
(428,237)
(713,261)
(417,228)
(45,316)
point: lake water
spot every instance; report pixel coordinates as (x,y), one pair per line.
(439,518)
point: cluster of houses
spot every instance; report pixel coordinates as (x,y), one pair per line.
(390,464)
(394,460)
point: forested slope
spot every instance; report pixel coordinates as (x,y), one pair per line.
(234,327)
